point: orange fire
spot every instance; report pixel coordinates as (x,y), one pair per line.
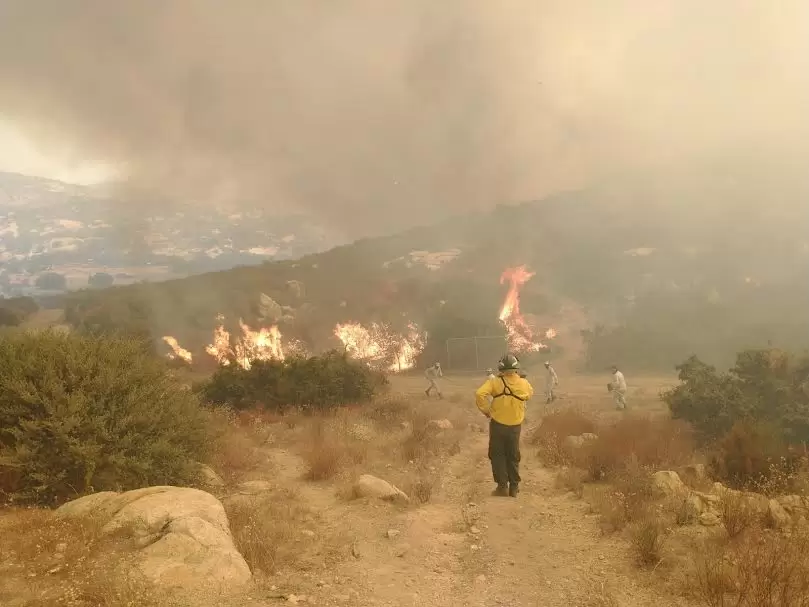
(177,350)
(264,344)
(378,345)
(520,334)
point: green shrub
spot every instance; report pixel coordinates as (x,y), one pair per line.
(81,414)
(319,382)
(764,385)
(16,310)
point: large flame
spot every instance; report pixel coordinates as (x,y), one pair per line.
(520,334)
(380,347)
(264,344)
(177,351)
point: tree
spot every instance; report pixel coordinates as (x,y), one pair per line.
(101,280)
(51,281)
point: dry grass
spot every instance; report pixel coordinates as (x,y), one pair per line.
(737,513)
(572,479)
(627,499)
(549,436)
(237,450)
(52,560)
(324,454)
(761,569)
(270,531)
(421,442)
(648,537)
(389,412)
(654,444)
(601,596)
(420,489)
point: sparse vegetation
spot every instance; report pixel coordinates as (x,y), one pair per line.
(318,382)
(550,435)
(81,414)
(648,537)
(651,444)
(268,530)
(760,569)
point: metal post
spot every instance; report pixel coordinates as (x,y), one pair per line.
(449,363)
(477,356)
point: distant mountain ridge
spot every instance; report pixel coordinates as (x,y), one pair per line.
(650,268)
(76,231)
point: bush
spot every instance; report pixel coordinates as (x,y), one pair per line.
(16,310)
(319,382)
(764,385)
(648,538)
(754,456)
(652,444)
(81,414)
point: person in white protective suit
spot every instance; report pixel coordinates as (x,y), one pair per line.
(432,374)
(551,381)
(618,388)
(490,373)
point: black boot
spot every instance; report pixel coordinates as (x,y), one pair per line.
(513,490)
(501,491)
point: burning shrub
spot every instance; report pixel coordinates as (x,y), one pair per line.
(319,382)
(79,414)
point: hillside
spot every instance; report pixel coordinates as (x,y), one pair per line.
(651,269)
(75,231)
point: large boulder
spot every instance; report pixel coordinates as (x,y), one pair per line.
(440,424)
(668,483)
(371,486)
(183,535)
(777,517)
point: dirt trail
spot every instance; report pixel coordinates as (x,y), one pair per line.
(469,548)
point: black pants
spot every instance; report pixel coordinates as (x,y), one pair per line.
(504,452)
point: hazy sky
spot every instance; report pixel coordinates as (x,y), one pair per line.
(375,113)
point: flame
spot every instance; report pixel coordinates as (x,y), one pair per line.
(264,344)
(520,334)
(411,346)
(177,350)
(378,345)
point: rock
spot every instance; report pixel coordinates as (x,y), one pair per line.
(573,442)
(361,432)
(576,442)
(795,505)
(668,483)
(777,517)
(392,534)
(296,288)
(209,477)
(693,507)
(371,486)
(269,310)
(441,424)
(709,519)
(695,472)
(183,532)
(719,489)
(254,487)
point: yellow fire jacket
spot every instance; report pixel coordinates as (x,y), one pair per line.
(509,392)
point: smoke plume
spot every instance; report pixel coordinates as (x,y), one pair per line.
(378,114)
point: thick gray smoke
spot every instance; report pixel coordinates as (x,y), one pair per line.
(376,112)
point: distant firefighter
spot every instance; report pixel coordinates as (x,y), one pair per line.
(618,388)
(551,381)
(433,373)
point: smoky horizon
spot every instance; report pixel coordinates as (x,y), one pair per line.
(376,116)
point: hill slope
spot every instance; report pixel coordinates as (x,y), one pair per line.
(659,267)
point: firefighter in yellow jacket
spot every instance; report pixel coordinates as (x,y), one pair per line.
(508,393)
